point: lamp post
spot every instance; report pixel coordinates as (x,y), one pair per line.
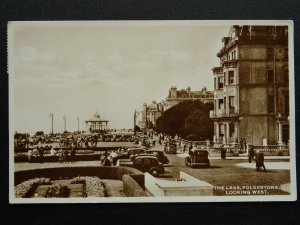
(136,113)
(65,122)
(78,124)
(51,116)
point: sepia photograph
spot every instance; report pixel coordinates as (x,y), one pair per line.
(151,111)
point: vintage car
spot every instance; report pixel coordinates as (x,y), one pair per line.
(197,158)
(159,154)
(171,148)
(145,163)
(128,154)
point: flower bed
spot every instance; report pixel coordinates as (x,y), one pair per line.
(26,188)
(93,186)
(58,191)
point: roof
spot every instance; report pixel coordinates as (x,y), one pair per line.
(152,106)
(96,118)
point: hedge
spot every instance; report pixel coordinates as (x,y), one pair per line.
(113,173)
(54,158)
(108,148)
(131,188)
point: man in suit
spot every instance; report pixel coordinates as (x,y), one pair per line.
(259,159)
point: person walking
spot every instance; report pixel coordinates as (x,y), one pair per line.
(29,155)
(65,155)
(41,154)
(250,153)
(259,159)
(72,155)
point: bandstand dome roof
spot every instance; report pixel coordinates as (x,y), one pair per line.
(96,118)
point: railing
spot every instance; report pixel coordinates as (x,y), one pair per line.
(271,148)
(230,151)
(230,63)
(231,112)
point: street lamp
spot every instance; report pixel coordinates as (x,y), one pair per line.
(78,124)
(136,113)
(65,122)
(51,115)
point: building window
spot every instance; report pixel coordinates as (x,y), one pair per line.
(220,103)
(215,84)
(270,103)
(221,129)
(286,76)
(231,129)
(215,130)
(231,77)
(231,102)
(225,78)
(220,82)
(270,53)
(270,76)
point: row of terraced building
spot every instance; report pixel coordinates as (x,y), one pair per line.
(251,86)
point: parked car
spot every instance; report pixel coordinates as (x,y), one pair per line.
(159,154)
(128,154)
(134,151)
(198,158)
(171,148)
(147,163)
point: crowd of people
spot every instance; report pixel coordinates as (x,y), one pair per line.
(68,140)
(64,155)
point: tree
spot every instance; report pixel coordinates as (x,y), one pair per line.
(186,118)
(137,128)
(38,133)
(199,123)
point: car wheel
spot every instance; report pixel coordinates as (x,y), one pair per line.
(154,172)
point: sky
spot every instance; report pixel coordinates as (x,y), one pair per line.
(75,69)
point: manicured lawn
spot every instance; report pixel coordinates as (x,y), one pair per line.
(225,173)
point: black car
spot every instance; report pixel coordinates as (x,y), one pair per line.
(171,148)
(128,154)
(159,154)
(145,163)
(198,158)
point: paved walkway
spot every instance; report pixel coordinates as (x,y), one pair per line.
(268,165)
(183,155)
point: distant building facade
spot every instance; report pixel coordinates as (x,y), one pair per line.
(175,96)
(150,114)
(96,124)
(251,86)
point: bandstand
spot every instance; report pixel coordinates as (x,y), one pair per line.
(96,124)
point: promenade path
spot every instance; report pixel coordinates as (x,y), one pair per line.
(28,166)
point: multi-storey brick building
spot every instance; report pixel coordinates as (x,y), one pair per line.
(251,92)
